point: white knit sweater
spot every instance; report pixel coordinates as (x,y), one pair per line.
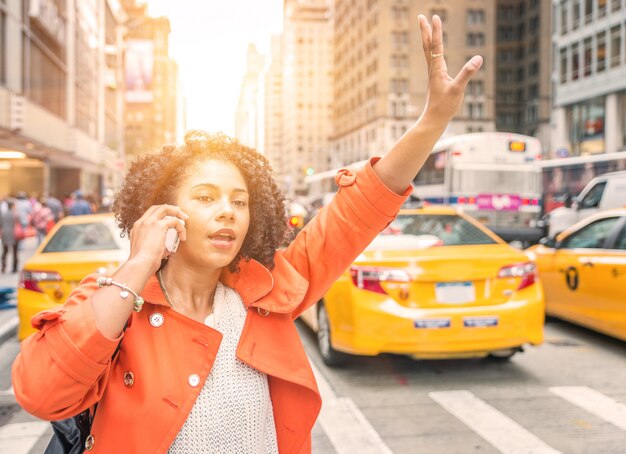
(233,412)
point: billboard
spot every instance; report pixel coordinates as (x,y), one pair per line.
(138,71)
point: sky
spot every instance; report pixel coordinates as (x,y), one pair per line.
(209,40)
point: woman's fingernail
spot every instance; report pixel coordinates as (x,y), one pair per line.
(477,61)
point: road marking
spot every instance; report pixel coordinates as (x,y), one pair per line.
(498,429)
(594,402)
(11,324)
(21,437)
(344,424)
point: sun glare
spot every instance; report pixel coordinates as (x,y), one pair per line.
(209,41)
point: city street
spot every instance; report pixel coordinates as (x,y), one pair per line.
(568,396)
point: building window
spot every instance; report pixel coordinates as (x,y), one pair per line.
(601,8)
(476,88)
(615,46)
(588,11)
(586,127)
(475,39)
(564,11)
(532,114)
(563,65)
(576,14)
(475,16)
(616,5)
(601,52)
(399,61)
(575,62)
(587,55)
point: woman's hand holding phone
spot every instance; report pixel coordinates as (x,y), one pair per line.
(156,234)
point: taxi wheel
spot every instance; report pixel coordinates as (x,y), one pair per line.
(330,356)
(503,355)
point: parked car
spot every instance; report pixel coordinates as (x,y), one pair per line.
(584,273)
(75,247)
(435,284)
(604,192)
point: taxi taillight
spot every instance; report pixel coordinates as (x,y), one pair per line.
(30,280)
(526,270)
(370,277)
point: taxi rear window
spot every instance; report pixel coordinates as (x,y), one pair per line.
(450,229)
(94,236)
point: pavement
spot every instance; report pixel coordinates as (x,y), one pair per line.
(8,311)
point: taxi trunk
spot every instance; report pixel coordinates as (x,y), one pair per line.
(47,279)
(451,276)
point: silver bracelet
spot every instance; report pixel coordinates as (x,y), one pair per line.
(107,281)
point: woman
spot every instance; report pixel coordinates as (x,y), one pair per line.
(10,240)
(212,361)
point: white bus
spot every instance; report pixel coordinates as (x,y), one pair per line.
(493,176)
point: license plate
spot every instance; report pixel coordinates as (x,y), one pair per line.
(432,323)
(455,292)
(480,322)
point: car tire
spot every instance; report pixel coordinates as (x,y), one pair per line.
(503,355)
(330,356)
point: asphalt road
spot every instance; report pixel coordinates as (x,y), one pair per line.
(568,396)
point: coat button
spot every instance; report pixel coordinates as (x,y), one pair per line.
(156,319)
(194,380)
(263,312)
(129,379)
(89,442)
(345,177)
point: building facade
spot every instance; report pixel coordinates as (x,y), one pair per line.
(249,117)
(273,124)
(61,110)
(380,76)
(307,90)
(589,114)
(523,62)
(151,83)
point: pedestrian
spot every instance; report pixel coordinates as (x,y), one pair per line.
(56,207)
(41,219)
(10,227)
(24,208)
(210,360)
(80,205)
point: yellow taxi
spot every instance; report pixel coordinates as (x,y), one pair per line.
(435,284)
(74,248)
(584,273)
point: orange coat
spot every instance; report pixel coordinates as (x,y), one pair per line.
(145,394)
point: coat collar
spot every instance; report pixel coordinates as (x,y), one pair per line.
(255,284)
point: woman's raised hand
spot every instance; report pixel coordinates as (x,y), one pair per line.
(147,237)
(445,94)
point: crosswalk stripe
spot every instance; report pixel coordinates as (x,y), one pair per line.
(345,426)
(594,402)
(503,433)
(20,438)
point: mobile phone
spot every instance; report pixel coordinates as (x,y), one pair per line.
(172,239)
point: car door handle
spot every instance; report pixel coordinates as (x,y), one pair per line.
(588,263)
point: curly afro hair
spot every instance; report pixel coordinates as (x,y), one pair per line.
(154,179)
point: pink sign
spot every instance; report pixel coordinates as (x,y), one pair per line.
(499,202)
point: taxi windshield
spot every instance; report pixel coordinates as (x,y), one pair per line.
(451,230)
(95,236)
